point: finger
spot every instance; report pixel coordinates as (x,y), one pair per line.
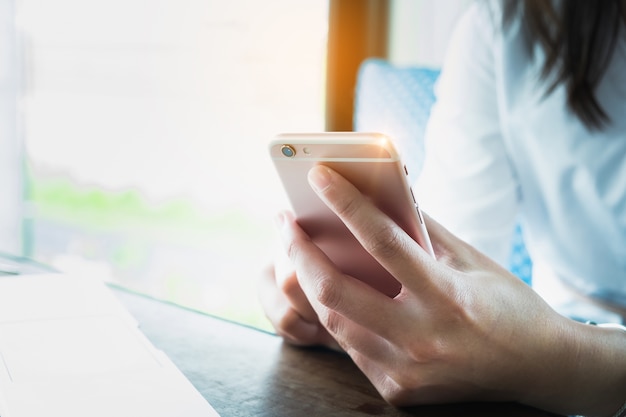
(393,248)
(297,299)
(297,331)
(338,299)
(359,341)
(378,376)
(287,283)
(285,320)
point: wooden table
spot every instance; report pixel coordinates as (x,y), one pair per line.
(242,371)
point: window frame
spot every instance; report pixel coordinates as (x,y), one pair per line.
(357,30)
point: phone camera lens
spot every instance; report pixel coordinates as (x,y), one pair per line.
(288,151)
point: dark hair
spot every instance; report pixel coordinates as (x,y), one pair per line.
(578,38)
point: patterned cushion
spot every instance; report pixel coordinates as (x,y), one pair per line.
(397,101)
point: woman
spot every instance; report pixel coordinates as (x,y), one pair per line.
(530,125)
(529,121)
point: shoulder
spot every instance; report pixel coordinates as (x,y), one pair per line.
(481,21)
(469,64)
(473,42)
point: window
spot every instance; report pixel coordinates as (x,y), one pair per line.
(10,152)
(145,125)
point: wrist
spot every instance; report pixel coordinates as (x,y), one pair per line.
(621,412)
(599,387)
(588,375)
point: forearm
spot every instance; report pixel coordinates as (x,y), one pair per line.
(589,373)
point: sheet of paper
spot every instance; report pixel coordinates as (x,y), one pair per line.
(68,348)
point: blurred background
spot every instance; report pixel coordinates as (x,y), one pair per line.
(133,133)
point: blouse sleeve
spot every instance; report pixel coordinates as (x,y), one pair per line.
(467,182)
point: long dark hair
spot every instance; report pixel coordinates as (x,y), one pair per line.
(578,38)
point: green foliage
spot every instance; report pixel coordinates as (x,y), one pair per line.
(123,228)
(61,199)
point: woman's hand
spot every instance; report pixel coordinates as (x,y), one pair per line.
(288,309)
(462,327)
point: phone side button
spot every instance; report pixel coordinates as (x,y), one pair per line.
(413,195)
(419,213)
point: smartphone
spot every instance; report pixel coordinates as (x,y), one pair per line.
(372,164)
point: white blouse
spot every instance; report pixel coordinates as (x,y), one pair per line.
(499,150)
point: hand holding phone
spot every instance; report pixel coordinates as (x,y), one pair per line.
(372,164)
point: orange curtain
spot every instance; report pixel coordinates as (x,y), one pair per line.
(357,30)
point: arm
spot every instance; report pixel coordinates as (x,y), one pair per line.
(461,329)
(467,179)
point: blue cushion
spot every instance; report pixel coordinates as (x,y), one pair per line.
(396,101)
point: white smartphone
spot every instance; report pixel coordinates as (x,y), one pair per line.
(370,162)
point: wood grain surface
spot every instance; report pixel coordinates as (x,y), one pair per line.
(242,371)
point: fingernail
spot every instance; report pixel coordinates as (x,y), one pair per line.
(319,178)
